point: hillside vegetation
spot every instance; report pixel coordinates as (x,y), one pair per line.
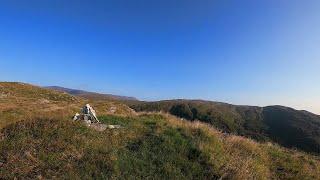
(283,125)
(46,144)
(150,146)
(21,101)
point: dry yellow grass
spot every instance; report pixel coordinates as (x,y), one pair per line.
(20,101)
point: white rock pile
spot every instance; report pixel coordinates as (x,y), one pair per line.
(88,114)
(89,117)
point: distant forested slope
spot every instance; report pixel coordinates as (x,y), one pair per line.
(283,125)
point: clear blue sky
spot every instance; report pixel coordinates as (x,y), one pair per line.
(242,52)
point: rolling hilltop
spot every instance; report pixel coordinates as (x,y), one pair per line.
(39,140)
(20,101)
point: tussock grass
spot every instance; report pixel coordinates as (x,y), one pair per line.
(236,157)
(150,146)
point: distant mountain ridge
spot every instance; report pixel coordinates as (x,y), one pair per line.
(91,95)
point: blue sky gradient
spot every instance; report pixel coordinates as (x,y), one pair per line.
(242,52)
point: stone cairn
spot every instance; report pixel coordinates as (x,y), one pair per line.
(88,115)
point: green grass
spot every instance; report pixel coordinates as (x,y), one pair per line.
(116,120)
(60,148)
(149,146)
(168,154)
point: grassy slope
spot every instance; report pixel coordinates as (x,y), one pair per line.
(20,101)
(46,144)
(286,126)
(150,146)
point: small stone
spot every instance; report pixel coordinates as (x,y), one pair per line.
(86,117)
(112,109)
(280,168)
(44,101)
(3,95)
(76,116)
(114,126)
